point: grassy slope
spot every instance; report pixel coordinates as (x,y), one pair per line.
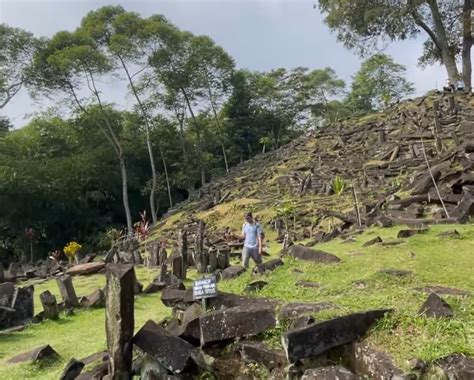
(438,261)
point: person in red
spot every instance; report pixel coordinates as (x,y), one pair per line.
(252,234)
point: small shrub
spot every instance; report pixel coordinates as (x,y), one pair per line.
(338,185)
(71,250)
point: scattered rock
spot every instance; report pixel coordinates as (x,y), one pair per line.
(255,286)
(308,284)
(94,300)
(329,373)
(402,234)
(438,289)
(376,240)
(436,307)
(309,254)
(391,243)
(38,353)
(231,300)
(235,322)
(68,293)
(88,268)
(296,309)
(171,352)
(417,365)
(72,370)
(321,337)
(233,271)
(258,352)
(267,266)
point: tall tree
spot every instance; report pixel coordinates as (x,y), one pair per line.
(16,50)
(379,82)
(214,67)
(70,63)
(367,23)
(122,36)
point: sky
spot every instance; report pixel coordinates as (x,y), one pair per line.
(259,34)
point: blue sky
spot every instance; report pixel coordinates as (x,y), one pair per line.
(259,34)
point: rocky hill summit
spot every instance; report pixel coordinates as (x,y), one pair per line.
(387,164)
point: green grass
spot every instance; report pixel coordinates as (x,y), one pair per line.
(76,336)
(437,261)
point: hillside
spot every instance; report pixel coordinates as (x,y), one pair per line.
(380,155)
(405,253)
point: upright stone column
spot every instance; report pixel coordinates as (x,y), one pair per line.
(163,272)
(2,274)
(177,263)
(66,288)
(163,255)
(154,255)
(183,247)
(119,319)
(50,305)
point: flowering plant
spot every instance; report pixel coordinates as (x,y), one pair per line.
(71,250)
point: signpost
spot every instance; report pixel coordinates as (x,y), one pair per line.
(205,288)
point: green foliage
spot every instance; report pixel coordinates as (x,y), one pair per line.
(338,185)
(379,83)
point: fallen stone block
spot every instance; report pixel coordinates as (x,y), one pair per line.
(171,297)
(300,322)
(367,361)
(329,373)
(94,300)
(321,337)
(436,307)
(267,266)
(231,300)
(457,366)
(296,309)
(68,293)
(72,370)
(376,240)
(83,269)
(260,353)
(23,302)
(154,287)
(231,272)
(255,286)
(171,352)
(235,322)
(309,254)
(38,353)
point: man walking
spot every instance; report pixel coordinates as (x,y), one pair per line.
(252,235)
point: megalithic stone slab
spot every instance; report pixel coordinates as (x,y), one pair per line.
(171,352)
(50,305)
(68,293)
(72,370)
(318,338)
(436,307)
(233,271)
(35,354)
(308,254)
(23,302)
(177,264)
(87,268)
(119,319)
(220,326)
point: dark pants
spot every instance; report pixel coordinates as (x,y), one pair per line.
(248,253)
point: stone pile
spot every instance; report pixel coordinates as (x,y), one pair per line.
(16,305)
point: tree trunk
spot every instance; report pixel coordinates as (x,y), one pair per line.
(466,45)
(198,132)
(126,206)
(168,186)
(148,143)
(218,125)
(447,54)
